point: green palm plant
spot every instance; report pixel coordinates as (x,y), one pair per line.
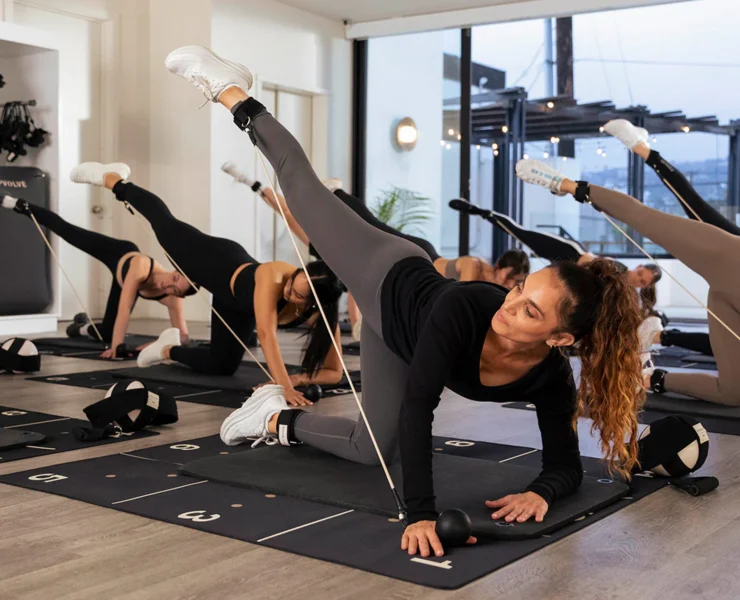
(402,209)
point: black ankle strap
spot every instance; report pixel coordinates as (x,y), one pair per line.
(244,112)
(286,427)
(657,381)
(23,207)
(582,192)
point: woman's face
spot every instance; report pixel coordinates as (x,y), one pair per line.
(530,312)
(297,290)
(640,277)
(173,284)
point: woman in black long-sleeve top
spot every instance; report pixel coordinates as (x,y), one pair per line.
(422,332)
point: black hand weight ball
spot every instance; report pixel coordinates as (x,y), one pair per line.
(313,392)
(453,527)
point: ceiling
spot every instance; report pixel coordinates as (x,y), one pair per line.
(358,11)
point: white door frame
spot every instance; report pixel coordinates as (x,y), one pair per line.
(319,132)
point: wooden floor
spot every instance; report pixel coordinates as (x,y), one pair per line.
(667,546)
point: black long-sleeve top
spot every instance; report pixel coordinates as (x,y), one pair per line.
(438,327)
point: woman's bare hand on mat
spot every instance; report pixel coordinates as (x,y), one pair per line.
(422,537)
(109,354)
(519,507)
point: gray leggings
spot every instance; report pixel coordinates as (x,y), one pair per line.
(361,256)
(713,254)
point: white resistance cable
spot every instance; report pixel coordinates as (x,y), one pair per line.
(69,281)
(401,510)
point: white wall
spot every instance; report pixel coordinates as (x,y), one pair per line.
(405,80)
(291,48)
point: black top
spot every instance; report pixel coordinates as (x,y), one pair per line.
(438,327)
(124,271)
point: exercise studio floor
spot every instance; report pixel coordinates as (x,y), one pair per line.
(667,545)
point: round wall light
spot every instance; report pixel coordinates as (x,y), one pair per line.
(406,134)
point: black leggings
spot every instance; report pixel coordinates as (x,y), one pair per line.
(209,262)
(697,341)
(359,207)
(544,245)
(675,181)
(106,249)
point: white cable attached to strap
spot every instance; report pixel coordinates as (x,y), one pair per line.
(64,271)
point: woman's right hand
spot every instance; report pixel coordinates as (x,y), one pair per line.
(296,398)
(422,536)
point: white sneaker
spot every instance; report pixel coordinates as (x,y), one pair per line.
(357,329)
(231,169)
(207,71)
(8,202)
(250,421)
(647,331)
(333,184)
(627,133)
(94,172)
(538,173)
(153,353)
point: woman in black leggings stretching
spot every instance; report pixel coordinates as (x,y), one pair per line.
(510,269)
(245,293)
(695,207)
(422,332)
(135,276)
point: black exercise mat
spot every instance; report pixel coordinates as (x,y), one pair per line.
(57,431)
(85,347)
(247,376)
(313,475)
(143,483)
(351,348)
(679,404)
(686,359)
(713,423)
(102,380)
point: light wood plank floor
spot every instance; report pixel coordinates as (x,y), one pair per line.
(666,546)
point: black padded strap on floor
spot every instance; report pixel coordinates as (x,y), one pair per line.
(154,409)
(464,483)
(10,439)
(11,360)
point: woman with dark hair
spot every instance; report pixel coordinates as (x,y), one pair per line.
(423,332)
(704,248)
(245,293)
(511,268)
(135,276)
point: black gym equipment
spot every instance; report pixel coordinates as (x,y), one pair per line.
(52,434)
(453,527)
(313,392)
(11,439)
(19,355)
(351,349)
(352,538)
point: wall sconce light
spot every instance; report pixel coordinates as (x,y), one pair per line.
(406,134)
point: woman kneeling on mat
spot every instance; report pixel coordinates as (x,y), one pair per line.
(135,275)
(422,332)
(245,293)
(705,249)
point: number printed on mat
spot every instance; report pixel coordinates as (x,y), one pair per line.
(47,477)
(197,516)
(459,443)
(185,447)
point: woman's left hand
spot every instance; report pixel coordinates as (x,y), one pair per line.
(519,507)
(109,354)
